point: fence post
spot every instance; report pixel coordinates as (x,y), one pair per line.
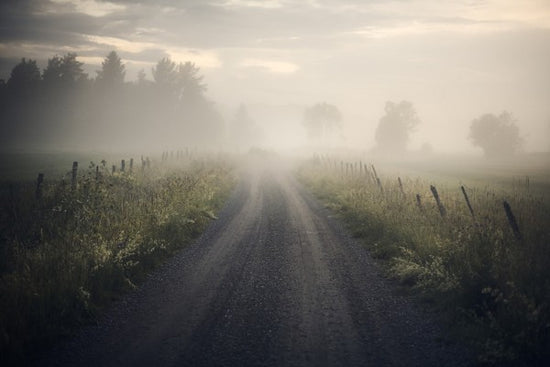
(73,175)
(131,164)
(440,206)
(122,165)
(512,220)
(467,201)
(400,185)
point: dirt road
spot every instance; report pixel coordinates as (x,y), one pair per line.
(273,282)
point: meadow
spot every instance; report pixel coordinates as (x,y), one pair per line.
(74,239)
(472,242)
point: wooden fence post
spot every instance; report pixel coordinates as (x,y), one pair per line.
(73,175)
(122,165)
(400,185)
(418,201)
(512,220)
(467,201)
(440,206)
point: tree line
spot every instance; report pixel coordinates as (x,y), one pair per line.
(63,106)
(497,135)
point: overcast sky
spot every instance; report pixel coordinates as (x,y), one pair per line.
(454,60)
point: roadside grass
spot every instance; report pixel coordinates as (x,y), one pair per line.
(493,283)
(68,253)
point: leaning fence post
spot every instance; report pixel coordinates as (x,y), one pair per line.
(73,175)
(467,201)
(512,220)
(400,185)
(39,181)
(440,206)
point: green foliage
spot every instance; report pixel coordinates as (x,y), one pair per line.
(66,255)
(495,287)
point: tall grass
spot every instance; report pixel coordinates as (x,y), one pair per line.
(64,254)
(493,283)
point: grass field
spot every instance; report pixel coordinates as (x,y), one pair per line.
(486,267)
(68,248)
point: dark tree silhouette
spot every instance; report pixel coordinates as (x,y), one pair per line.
(321,120)
(189,81)
(24,77)
(394,128)
(62,106)
(180,80)
(63,72)
(19,112)
(165,75)
(112,71)
(498,136)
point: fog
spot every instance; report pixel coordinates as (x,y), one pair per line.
(387,78)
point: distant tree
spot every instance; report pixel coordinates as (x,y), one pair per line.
(142,78)
(24,77)
(19,108)
(165,75)
(321,119)
(498,136)
(394,128)
(180,80)
(64,71)
(189,81)
(112,71)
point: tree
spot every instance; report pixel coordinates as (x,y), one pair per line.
(498,136)
(112,71)
(189,81)
(64,71)
(165,75)
(394,128)
(180,80)
(321,119)
(24,77)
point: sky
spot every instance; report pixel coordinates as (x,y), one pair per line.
(454,60)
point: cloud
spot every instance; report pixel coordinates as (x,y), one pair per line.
(279,67)
(264,4)
(89,7)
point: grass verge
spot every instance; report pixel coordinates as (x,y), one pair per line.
(491,280)
(66,252)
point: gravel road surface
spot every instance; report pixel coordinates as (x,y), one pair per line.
(275,281)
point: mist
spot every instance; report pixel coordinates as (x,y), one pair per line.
(232,75)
